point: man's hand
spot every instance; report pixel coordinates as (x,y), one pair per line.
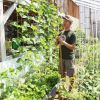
(60,39)
(63,42)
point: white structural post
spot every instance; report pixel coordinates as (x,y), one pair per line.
(96,24)
(8,13)
(2,34)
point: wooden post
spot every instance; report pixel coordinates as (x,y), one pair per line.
(61,66)
(2,34)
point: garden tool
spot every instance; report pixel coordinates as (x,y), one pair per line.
(60,51)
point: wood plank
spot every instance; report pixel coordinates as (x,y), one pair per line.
(73,9)
(8,13)
(23,2)
(2,34)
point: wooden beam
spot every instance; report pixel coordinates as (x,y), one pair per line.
(2,34)
(8,13)
(23,2)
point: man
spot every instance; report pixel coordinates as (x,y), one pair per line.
(67,42)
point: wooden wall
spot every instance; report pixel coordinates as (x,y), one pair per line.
(73,9)
(68,7)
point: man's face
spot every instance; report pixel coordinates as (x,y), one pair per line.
(66,24)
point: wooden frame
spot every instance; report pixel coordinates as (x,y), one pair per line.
(3,19)
(2,34)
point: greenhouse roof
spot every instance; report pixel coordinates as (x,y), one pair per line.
(93,4)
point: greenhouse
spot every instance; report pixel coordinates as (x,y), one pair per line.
(49,49)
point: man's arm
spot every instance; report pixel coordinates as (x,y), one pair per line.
(69,46)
